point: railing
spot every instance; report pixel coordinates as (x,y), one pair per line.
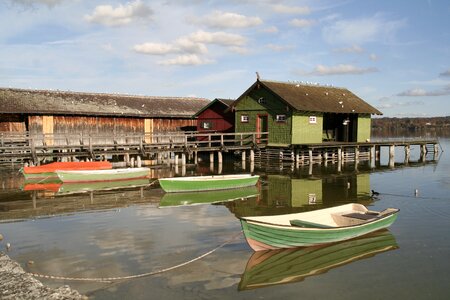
(34,145)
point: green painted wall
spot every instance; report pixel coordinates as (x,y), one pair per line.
(297,128)
(280,132)
(306,192)
(303,132)
(364,123)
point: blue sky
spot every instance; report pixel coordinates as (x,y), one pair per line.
(393,54)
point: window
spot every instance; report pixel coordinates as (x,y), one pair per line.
(244,119)
(312,120)
(281,118)
(262,100)
(206,125)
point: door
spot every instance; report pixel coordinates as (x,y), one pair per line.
(262,127)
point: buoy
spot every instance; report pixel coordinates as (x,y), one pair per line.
(416,192)
(8,246)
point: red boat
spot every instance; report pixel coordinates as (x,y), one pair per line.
(47,171)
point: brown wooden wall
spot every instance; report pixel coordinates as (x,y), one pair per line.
(104,125)
(12,123)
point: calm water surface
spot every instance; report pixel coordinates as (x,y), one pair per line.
(140,230)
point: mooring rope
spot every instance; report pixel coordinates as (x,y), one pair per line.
(111,279)
(409,196)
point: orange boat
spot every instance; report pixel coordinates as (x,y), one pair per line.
(47,172)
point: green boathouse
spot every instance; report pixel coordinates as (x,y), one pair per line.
(296,113)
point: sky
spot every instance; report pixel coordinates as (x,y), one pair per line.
(393,54)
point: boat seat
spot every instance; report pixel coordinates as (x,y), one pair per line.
(306,224)
(361,216)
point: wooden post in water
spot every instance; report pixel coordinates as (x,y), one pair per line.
(243,155)
(219,157)
(310,154)
(252,156)
(196,157)
(372,157)
(138,161)
(356,153)
(297,158)
(391,156)
(183,159)
(339,155)
(175,159)
(378,153)
(407,153)
(211,157)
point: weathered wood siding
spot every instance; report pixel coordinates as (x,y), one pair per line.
(78,128)
(364,128)
(304,132)
(12,123)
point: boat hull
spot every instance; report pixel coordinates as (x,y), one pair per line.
(102,175)
(206,183)
(261,236)
(46,173)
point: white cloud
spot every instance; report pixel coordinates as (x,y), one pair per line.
(271,29)
(445,73)
(155,48)
(351,49)
(279,48)
(32,3)
(373,57)
(301,23)
(218,38)
(186,60)
(361,30)
(239,50)
(219,19)
(121,15)
(417,92)
(341,69)
(297,10)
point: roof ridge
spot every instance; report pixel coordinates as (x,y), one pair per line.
(101,94)
(306,83)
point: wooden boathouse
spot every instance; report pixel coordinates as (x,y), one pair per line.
(43,112)
(278,121)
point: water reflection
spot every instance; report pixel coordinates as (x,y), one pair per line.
(219,196)
(280,194)
(273,267)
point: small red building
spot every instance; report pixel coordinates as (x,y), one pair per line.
(216,117)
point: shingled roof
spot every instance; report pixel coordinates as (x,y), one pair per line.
(315,98)
(226,103)
(76,103)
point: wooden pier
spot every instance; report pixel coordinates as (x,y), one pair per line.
(132,149)
(178,148)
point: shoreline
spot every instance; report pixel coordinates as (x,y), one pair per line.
(15,283)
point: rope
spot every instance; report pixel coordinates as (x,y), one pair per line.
(110,279)
(409,196)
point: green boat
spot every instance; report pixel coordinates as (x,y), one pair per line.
(317,227)
(102,175)
(273,267)
(196,198)
(207,183)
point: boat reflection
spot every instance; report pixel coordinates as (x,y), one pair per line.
(207,197)
(75,188)
(273,267)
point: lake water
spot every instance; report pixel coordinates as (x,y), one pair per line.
(142,230)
